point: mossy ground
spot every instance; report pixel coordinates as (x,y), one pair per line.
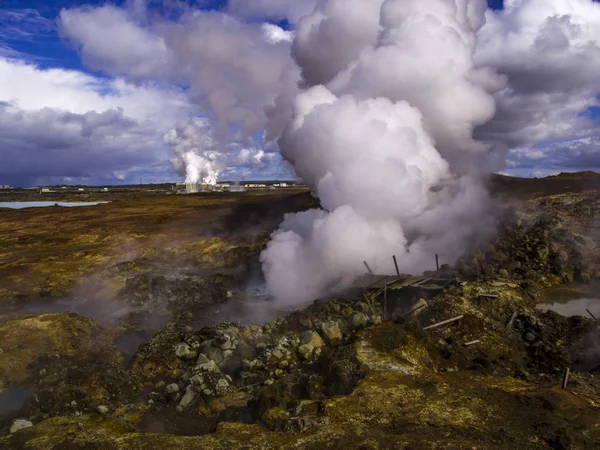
(404,387)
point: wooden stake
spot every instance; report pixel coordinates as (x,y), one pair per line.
(396,264)
(437,263)
(566,377)
(368,268)
(510,322)
(439,324)
(413,310)
(488,296)
(590,313)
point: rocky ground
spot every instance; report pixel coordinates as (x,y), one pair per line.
(334,375)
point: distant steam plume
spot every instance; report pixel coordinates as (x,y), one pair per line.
(383,133)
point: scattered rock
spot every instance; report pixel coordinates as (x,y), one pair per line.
(189,397)
(358,321)
(332,333)
(102,410)
(19,424)
(313,339)
(173,388)
(184,351)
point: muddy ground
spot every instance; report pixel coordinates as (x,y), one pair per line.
(143,324)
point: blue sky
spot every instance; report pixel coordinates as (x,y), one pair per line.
(50,50)
(29,34)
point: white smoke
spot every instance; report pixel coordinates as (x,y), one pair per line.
(381,137)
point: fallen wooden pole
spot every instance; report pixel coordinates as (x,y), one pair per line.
(413,310)
(396,264)
(566,377)
(488,296)
(439,324)
(511,321)
(590,313)
(468,344)
(368,268)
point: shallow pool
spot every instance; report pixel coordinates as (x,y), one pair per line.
(578,300)
(21,205)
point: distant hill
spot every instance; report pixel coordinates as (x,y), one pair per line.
(552,185)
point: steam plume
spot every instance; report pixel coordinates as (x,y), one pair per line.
(383,134)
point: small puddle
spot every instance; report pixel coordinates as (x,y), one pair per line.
(23,205)
(130,341)
(13,399)
(571,301)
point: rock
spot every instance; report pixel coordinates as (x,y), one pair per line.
(202,359)
(305,322)
(189,397)
(306,351)
(19,424)
(213,353)
(222,384)
(358,321)
(173,388)
(209,366)
(184,351)
(102,409)
(530,337)
(313,339)
(223,342)
(332,333)
(277,354)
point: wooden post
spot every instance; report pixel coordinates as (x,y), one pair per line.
(437,263)
(566,377)
(590,313)
(368,268)
(413,310)
(488,296)
(510,322)
(439,324)
(396,264)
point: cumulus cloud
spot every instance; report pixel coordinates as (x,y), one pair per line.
(550,52)
(291,10)
(234,70)
(57,125)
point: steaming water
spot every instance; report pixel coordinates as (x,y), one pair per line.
(22,205)
(13,399)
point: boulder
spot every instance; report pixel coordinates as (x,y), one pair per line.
(19,424)
(306,351)
(358,321)
(313,339)
(332,333)
(189,397)
(184,351)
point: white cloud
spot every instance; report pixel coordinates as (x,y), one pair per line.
(550,51)
(292,10)
(57,124)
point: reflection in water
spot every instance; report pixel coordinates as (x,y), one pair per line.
(13,399)
(578,307)
(572,300)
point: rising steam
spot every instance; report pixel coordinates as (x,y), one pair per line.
(195,154)
(383,134)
